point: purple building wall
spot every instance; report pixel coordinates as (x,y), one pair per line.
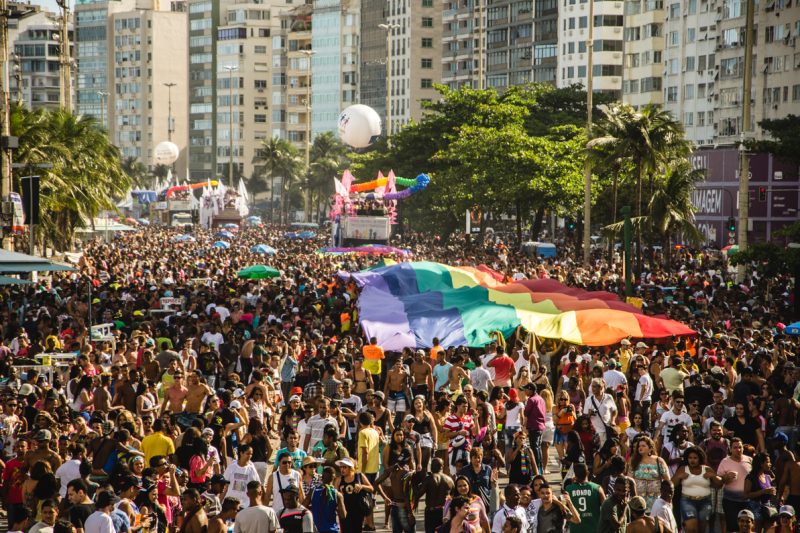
(717,198)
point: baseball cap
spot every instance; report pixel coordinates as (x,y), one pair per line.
(235,404)
(640,344)
(409,418)
(218,478)
(291,487)
(638,504)
(297,390)
(104,499)
(43,435)
(625,342)
(346,462)
(746,513)
(294,398)
(781,436)
(786,509)
(208,431)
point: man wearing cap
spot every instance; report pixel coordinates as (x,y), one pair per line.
(786,520)
(216,487)
(672,378)
(43,452)
(100,520)
(294,518)
(625,354)
(641,522)
(745,521)
(613,377)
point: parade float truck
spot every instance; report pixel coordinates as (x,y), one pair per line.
(230,212)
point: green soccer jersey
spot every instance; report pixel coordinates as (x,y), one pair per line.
(586,499)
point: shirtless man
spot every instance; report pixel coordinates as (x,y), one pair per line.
(217,523)
(422,376)
(437,486)
(194,517)
(196,394)
(175,395)
(456,374)
(791,479)
(400,491)
(396,389)
(642,523)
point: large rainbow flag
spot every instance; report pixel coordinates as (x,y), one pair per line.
(408,304)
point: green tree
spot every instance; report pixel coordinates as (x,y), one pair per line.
(277,157)
(136,172)
(647,139)
(785,133)
(86,176)
(328,160)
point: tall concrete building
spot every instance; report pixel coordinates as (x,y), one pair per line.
(643,78)
(147,55)
(415,39)
(461,33)
(689,69)
(607,45)
(35,38)
(296,55)
(335,39)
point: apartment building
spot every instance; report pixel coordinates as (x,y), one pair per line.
(689,66)
(335,40)
(247,35)
(643,61)
(415,39)
(607,45)
(34,78)
(295,90)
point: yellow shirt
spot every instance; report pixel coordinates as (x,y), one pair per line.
(625,359)
(156,444)
(368,438)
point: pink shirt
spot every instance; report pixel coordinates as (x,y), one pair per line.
(742,468)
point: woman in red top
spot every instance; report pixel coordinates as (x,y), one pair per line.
(201,465)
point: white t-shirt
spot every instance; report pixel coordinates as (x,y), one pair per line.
(480,379)
(670,420)
(214,339)
(98,522)
(614,378)
(605,409)
(504,512)
(663,510)
(485,358)
(239,477)
(315,426)
(67,472)
(280,481)
(644,388)
(256,519)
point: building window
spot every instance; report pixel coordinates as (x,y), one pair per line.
(427,63)
(427,42)
(427,3)
(427,22)
(260,119)
(426,83)
(672,94)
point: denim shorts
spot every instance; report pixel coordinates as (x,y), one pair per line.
(696,509)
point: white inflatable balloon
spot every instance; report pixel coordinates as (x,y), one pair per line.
(166,153)
(359,125)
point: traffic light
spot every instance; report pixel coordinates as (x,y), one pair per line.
(570,225)
(762,194)
(732,224)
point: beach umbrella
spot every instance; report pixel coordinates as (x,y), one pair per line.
(221,244)
(225,234)
(231,225)
(792,329)
(183,238)
(144,221)
(730,249)
(263,249)
(258,272)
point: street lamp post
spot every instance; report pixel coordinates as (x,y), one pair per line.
(169,87)
(64,59)
(587,179)
(744,156)
(230,69)
(307,192)
(103,95)
(388,28)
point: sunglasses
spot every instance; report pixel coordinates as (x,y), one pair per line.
(286,462)
(159,465)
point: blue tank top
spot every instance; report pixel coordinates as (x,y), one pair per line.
(323,509)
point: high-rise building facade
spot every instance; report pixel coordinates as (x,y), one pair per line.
(415,39)
(335,66)
(148,66)
(643,78)
(35,38)
(461,32)
(689,66)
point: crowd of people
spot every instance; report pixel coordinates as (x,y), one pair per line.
(211,403)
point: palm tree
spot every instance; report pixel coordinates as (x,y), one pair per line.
(647,139)
(277,157)
(86,174)
(328,159)
(671,209)
(136,171)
